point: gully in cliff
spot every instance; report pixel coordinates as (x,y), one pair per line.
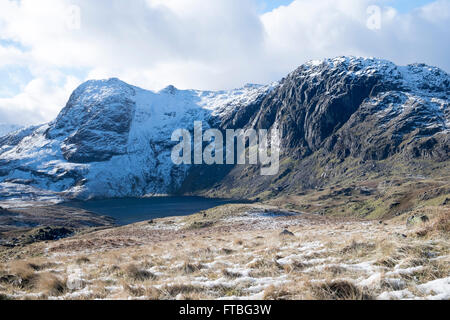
(261,151)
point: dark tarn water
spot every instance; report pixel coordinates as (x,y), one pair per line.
(131,210)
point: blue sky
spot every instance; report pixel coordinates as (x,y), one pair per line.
(269,5)
(401,5)
(201,44)
(407,5)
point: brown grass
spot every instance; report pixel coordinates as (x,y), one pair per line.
(388,262)
(338,290)
(135,291)
(231,275)
(25,276)
(227,251)
(180,258)
(176,289)
(440,224)
(137,274)
(295,266)
(434,270)
(83,260)
(358,248)
(276,293)
(51,285)
(189,268)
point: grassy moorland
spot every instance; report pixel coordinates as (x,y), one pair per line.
(270,250)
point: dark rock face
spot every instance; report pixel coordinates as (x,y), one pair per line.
(339,109)
(403,124)
(50,234)
(96,130)
(240,117)
(311,108)
(92,141)
(360,108)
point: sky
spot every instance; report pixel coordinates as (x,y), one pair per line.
(49,47)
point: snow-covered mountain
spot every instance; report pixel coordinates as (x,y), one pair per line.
(8,128)
(113,139)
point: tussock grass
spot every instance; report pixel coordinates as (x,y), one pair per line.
(335,270)
(223,290)
(231,275)
(388,262)
(83,260)
(23,275)
(262,268)
(276,293)
(338,290)
(358,248)
(51,285)
(137,274)
(414,262)
(295,266)
(135,291)
(434,270)
(189,268)
(440,224)
(176,289)
(200,225)
(341,260)
(227,251)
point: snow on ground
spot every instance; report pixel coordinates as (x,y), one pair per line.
(438,289)
(172,261)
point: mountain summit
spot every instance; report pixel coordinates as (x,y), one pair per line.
(340,118)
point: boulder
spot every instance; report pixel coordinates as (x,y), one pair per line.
(416,220)
(287,233)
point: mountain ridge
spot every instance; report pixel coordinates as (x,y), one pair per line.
(342,115)
(328,111)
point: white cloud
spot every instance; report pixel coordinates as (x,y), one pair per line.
(10,55)
(40,100)
(199,43)
(317,29)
